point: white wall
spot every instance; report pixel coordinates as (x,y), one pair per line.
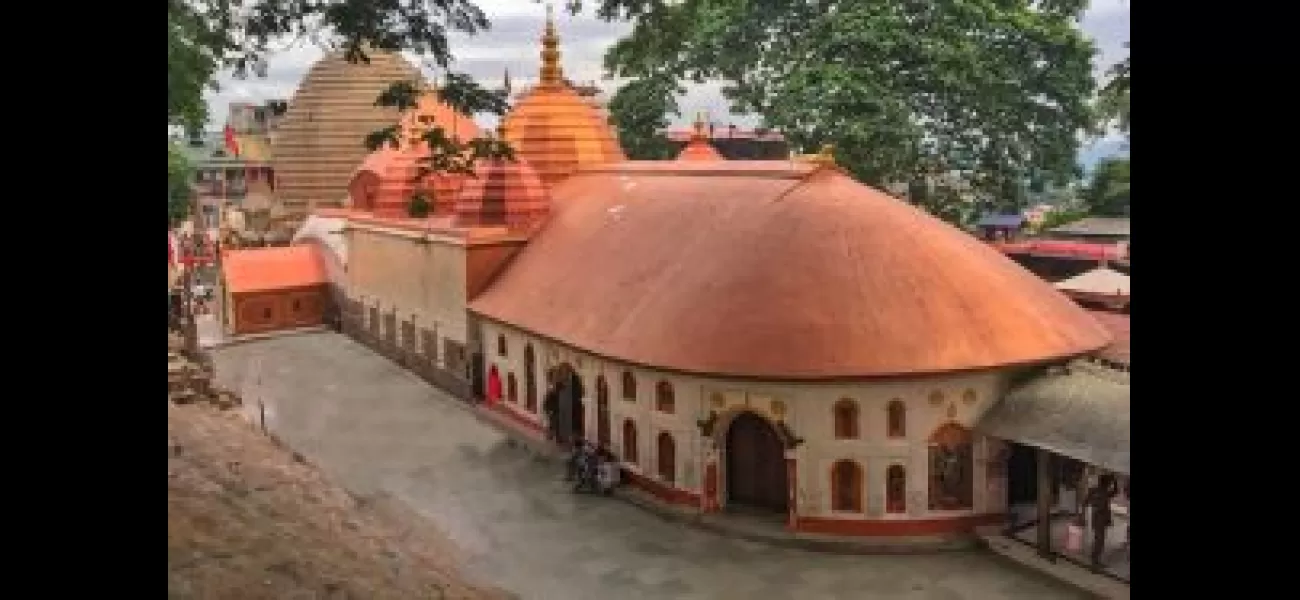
(806,407)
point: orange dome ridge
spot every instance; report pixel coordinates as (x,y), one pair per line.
(699,147)
(553,127)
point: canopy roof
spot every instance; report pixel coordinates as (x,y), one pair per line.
(1082,413)
(1102,280)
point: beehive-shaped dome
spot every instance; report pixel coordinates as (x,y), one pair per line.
(554,128)
(389,177)
(320,140)
(503,193)
(699,148)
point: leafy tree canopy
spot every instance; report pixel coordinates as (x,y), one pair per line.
(990,94)
(1112,99)
(178,186)
(641,109)
(1107,193)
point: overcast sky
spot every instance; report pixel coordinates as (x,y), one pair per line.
(513,43)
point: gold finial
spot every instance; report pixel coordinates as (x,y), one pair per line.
(551,74)
(699,133)
(826,156)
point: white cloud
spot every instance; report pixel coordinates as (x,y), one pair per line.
(512,43)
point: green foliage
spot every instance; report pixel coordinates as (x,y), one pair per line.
(1061,216)
(640,110)
(1107,193)
(1112,99)
(179,175)
(419,207)
(988,93)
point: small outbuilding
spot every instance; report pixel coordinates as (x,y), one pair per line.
(276,288)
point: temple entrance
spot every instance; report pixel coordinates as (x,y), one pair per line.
(756,472)
(602,411)
(570,414)
(1022,475)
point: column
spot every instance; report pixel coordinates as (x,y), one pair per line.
(792,480)
(1044,464)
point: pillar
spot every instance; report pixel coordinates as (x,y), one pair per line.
(792,480)
(1044,466)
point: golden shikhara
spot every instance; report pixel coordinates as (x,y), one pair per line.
(553,127)
(319,142)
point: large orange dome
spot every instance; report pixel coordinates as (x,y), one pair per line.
(320,140)
(774,270)
(554,128)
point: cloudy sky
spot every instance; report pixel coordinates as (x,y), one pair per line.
(512,44)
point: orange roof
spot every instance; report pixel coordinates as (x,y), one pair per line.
(698,147)
(775,270)
(554,128)
(267,269)
(502,193)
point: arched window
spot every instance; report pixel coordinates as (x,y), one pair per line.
(602,411)
(897,419)
(629,386)
(952,478)
(896,489)
(501,345)
(667,457)
(530,379)
(846,419)
(846,486)
(629,442)
(512,388)
(664,401)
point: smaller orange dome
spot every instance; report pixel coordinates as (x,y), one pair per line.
(503,194)
(699,148)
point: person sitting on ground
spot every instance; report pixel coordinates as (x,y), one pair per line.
(574,462)
(606,470)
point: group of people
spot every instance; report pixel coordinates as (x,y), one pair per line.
(592,469)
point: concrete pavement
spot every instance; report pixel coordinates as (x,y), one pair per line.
(379,429)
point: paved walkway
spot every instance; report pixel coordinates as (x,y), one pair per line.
(379,429)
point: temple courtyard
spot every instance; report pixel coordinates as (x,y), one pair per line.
(382,432)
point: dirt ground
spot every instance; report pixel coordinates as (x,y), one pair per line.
(249,520)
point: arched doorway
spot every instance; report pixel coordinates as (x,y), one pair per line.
(570,414)
(756,474)
(602,411)
(493,385)
(530,379)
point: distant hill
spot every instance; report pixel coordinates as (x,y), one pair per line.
(1092,153)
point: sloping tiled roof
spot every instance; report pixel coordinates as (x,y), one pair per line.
(276,268)
(1083,413)
(1113,226)
(1101,280)
(776,270)
(1118,325)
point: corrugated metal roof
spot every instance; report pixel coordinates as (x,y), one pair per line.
(1109,226)
(1083,414)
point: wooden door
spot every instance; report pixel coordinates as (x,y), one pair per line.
(602,411)
(756,473)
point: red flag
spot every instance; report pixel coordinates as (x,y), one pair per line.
(232,144)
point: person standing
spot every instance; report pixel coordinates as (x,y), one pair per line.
(1099,501)
(551,406)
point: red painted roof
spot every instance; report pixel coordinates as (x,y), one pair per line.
(267,269)
(776,270)
(1118,325)
(1061,248)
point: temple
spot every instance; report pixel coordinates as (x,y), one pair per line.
(769,334)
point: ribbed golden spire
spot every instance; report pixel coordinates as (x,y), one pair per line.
(551,74)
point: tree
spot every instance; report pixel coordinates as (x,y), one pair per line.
(204,36)
(989,94)
(1107,193)
(640,111)
(179,174)
(1112,99)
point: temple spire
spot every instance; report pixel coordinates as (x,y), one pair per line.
(551,74)
(699,132)
(505,83)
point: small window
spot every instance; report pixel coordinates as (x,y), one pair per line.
(629,386)
(629,442)
(846,419)
(501,346)
(897,419)
(896,490)
(266,313)
(667,458)
(846,486)
(664,400)
(512,389)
